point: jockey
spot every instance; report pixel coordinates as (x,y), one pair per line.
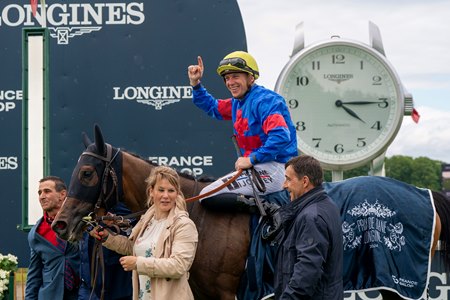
(261,123)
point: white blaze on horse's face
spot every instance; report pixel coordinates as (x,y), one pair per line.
(164,197)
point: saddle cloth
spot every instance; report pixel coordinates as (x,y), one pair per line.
(388,229)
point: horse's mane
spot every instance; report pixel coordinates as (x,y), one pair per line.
(203,178)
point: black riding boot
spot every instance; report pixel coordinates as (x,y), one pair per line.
(230,202)
(272,223)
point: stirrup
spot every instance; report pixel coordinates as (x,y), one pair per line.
(250,201)
(245,204)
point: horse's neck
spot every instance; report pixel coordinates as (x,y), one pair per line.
(191,187)
(134,173)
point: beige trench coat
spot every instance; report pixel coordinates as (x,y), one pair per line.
(174,254)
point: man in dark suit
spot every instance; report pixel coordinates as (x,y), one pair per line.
(54,263)
(309,260)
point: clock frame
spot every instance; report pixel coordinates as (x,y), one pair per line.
(346,101)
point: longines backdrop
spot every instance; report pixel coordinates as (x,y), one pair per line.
(123,65)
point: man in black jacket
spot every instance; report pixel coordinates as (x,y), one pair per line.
(310,256)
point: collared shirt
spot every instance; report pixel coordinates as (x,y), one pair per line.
(45,230)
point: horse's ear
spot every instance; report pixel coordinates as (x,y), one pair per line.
(86,139)
(99,141)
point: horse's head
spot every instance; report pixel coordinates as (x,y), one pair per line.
(94,185)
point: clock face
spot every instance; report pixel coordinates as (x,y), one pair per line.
(345,101)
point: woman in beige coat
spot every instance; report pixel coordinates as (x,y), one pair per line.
(162,245)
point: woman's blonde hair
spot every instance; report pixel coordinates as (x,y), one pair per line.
(164,172)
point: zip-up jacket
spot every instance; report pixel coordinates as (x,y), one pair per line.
(261,122)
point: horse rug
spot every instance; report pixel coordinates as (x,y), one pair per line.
(388,229)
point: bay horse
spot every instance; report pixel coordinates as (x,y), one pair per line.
(110,174)
(105,175)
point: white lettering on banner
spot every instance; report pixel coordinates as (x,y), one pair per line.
(7,106)
(442,290)
(75,19)
(8,163)
(157,96)
(11,95)
(189,164)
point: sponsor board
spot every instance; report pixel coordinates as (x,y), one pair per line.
(121,65)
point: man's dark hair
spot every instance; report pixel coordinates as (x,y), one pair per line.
(305,165)
(59,183)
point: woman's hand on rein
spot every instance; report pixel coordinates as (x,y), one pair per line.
(99,233)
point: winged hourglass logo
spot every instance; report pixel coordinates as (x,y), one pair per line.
(63,34)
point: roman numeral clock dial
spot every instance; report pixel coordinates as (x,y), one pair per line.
(346,101)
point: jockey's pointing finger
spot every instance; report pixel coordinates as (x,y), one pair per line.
(200,63)
(195,72)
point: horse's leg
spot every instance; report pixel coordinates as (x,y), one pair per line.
(221,253)
(436,235)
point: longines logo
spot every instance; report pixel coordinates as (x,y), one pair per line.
(338,77)
(66,21)
(156,96)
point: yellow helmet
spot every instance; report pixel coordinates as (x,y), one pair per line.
(238,61)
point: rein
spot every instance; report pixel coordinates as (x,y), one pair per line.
(223,185)
(120,219)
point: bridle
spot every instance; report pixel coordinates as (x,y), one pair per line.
(108,172)
(93,218)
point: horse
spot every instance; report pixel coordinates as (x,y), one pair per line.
(111,174)
(105,175)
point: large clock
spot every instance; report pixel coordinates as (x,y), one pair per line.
(346,100)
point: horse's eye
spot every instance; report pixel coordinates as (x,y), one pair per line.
(88,176)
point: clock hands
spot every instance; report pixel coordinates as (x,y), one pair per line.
(359,102)
(339,103)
